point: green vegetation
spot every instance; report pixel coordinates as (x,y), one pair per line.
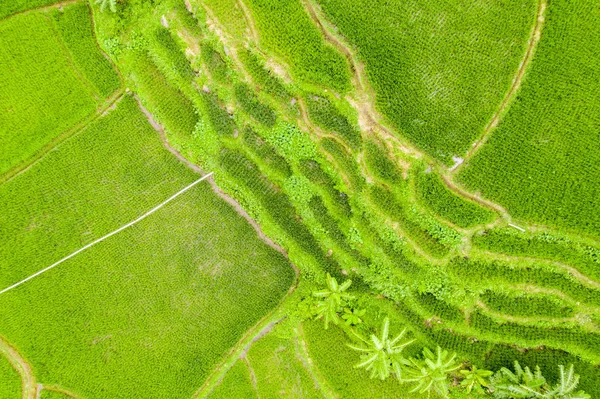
(439,70)
(539,163)
(75,27)
(11,380)
(8,8)
(432,192)
(281,101)
(151,307)
(287,31)
(42,96)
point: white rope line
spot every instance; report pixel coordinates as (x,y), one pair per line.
(151,211)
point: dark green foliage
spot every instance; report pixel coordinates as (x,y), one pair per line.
(339,200)
(75,27)
(439,308)
(439,69)
(473,272)
(170,53)
(253,106)
(345,161)
(266,152)
(575,340)
(217,67)
(326,115)
(381,165)
(542,162)
(287,31)
(264,78)
(386,202)
(330,225)
(583,257)
(432,192)
(526,305)
(276,204)
(169,105)
(221,121)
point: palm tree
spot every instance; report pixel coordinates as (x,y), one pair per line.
(431,373)
(382,355)
(475,379)
(353,316)
(565,388)
(522,384)
(333,299)
(111,4)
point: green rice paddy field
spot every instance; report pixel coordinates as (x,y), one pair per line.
(440,155)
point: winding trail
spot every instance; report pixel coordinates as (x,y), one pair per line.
(29,386)
(41,8)
(534,38)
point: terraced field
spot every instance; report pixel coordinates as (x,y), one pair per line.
(437,155)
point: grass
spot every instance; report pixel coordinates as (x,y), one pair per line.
(279,369)
(10,388)
(13,7)
(236,384)
(431,192)
(76,30)
(287,31)
(439,70)
(41,95)
(181,284)
(540,163)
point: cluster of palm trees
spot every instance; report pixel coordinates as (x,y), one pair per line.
(435,372)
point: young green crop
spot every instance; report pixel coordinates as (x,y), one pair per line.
(542,162)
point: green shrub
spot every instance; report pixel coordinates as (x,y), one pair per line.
(326,115)
(253,106)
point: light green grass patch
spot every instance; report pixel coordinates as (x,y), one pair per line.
(150,311)
(542,163)
(40,96)
(10,380)
(236,384)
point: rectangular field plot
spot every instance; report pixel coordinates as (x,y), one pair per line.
(150,311)
(15,6)
(543,163)
(53,76)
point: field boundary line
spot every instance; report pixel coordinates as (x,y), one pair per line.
(99,240)
(28,383)
(534,38)
(41,8)
(88,84)
(58,140)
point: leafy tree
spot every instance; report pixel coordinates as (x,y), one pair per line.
(111,4)
(521,384)
(353,316)
(475,379)
(382,355)
(431,373)
(333,298)
(565,388)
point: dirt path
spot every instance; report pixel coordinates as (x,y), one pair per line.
(109,104)
(249,21)
(534,38)
(29,387)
